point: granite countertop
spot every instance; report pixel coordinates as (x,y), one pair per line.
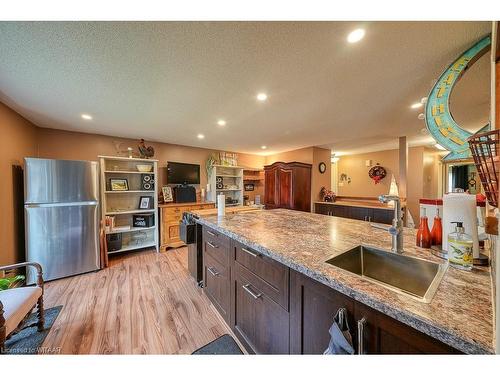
(460,313)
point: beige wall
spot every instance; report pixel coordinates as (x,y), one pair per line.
(303,155)
(17,141)
(361,185)
(71,145)
(424,169)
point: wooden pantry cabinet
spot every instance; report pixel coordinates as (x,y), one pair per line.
(170,217)
(288,185)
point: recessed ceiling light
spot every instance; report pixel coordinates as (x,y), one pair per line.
(86,116)
(356,35)
(200,136)
(416,105)
(262,96)
(221,123)
(263,147)
(439,147)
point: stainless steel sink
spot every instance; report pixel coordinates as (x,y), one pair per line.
(415,277)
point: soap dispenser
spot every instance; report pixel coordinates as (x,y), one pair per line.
(460,248)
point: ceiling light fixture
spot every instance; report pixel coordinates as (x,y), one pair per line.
(439,147)
(421,116)
(416,105)
(262,97)
(86,116)
(356,35)
(200,136)
(263,147)
(221,123)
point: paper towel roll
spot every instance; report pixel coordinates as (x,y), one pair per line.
(221,205)
(460,207)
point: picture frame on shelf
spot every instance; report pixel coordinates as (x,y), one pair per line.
(167,194)
(145,202)
(249,187)
(118,184)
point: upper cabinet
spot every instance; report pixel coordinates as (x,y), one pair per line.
(288,185)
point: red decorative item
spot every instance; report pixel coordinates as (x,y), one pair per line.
(377,173)
(437,231)
(423,233)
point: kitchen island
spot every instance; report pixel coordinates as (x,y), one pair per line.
(292,248)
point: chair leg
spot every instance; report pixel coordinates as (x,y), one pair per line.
(40,314)
(2,339)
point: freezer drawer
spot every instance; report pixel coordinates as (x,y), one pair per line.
(62,238)
(56,181)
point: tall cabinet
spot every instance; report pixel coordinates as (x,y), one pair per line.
(288,185)
(124,182)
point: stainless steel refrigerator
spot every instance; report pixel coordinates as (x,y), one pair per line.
(61,206)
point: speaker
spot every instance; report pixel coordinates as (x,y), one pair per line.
(147,181)
(114,241)
(184,193)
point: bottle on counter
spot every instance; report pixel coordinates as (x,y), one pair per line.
(437,231)
(460,246)
(423,233)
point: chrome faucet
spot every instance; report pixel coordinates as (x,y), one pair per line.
(396,229)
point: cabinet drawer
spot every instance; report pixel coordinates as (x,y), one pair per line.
(215,237)
(216,245)
(259,322)
(217,285)
(278,295)
(172,211)
(274,275)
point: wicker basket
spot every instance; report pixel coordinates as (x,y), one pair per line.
(485,151)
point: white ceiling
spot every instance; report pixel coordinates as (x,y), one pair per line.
(169,81)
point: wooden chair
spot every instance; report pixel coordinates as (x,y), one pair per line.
(16,304)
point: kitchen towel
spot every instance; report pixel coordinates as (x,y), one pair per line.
(221,205)
(340,335)
(460,207)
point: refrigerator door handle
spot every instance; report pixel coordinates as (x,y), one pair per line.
(62,204)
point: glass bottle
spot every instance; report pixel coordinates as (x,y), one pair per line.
(460,248)
(437,231)
(423,233)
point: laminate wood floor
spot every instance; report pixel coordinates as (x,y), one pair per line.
(144,303)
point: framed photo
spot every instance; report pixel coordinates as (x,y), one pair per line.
(249,187)
(167,194)
(145,203)
(118,184)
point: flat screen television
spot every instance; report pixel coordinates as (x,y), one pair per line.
(182,173)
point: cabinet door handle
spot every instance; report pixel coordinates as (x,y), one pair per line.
(250,252)
(212,245)
(211,233)
(361,335)
(249,291)
(213,271)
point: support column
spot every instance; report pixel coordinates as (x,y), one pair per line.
(403,171)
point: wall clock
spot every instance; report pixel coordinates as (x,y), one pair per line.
(322,167)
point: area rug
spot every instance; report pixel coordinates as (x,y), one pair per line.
(222,345)
(29,340)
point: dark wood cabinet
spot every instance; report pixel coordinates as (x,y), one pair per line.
(260,323)
(275,310)
(313,307)
(217,285)
(288,185)
(376,215)
(382,334)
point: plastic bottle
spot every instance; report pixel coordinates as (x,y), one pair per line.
(423,233)
(437,231)
(460,248)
